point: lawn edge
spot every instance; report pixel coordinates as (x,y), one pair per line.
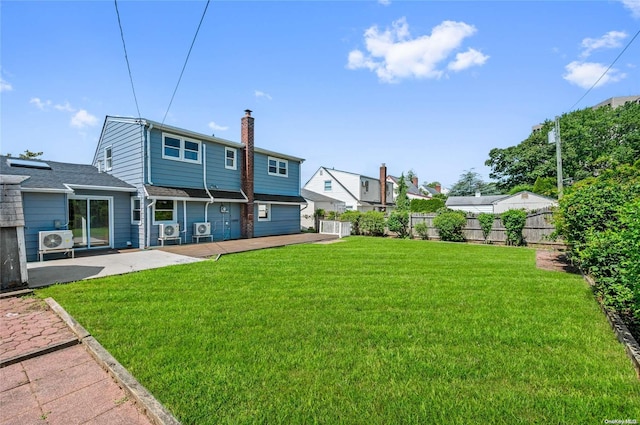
(626,338)
(151,407)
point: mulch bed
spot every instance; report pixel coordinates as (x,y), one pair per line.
(555,261)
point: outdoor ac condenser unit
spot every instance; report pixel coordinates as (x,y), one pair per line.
(169,231)
(55,240)
(201,229)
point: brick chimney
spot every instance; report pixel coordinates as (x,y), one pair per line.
(383,186)
(438,188)
(415,181)
(247,213)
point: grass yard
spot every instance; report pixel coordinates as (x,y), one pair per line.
(366,331)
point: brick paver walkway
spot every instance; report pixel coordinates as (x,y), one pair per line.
(66,386)
(27,325)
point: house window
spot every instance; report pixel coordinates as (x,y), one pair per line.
(230,158)
(278,167)
(135,210)
(264,212)
(164,211)
(180,149)
(108,158)
(327,185)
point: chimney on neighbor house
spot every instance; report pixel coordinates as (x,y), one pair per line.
(383,186)
(438,188)
(415,181)
(246,137)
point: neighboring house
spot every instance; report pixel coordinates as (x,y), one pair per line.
(413,191)
(497,204)
(358,192)
(186,178)
(58,195)
(317,201)
(146,175)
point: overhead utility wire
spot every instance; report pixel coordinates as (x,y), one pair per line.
(186,60)
(605,72)
(135,98)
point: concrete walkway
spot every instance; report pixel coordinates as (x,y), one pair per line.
(88,266)
(48,377)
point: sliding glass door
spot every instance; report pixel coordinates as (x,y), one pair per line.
(90,221)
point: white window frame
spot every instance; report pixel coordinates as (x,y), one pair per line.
(108,158)
(182,149)
(279,162)
(234,166)
(134,209)
(174,211)
(267,210)
(327,185)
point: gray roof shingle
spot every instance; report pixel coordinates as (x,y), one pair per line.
(60,174)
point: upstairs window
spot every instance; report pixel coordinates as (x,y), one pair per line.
(180,149)
(230,158)
(278,167)
(327,185)
(108,158)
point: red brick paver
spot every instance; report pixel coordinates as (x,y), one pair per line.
(28,325)
(66,386)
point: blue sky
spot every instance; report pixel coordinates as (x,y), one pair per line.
(431,86)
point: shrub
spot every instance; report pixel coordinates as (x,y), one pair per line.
(514,221)
(486,224)
(450,224)
(398,222)
(372,223)
(520,188)
(354,218)
(422,230)
(332,216)
(426,205)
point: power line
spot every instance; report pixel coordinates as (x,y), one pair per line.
(605,72)
(135,98)
(186,60)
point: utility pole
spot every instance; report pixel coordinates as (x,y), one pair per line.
(558,156)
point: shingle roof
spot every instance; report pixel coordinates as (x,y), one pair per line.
(317,197)
(61,174)
(194,194)
(474,200)
(411,188)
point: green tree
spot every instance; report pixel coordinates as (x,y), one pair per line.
(593,140)
(398,221)
(470,182)
(546,186)
(486,224)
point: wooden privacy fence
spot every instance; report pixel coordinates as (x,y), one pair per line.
(537,229)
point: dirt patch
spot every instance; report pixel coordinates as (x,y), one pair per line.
(555,261)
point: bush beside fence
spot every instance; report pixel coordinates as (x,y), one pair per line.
(537,229)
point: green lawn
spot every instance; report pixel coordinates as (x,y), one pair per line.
(366,331)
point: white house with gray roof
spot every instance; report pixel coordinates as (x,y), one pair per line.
(496,204)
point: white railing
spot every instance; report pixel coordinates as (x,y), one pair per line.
(340,228)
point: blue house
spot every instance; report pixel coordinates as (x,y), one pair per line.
(191,186)
(152,184)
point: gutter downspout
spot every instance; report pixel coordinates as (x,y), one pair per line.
(149,154)
(184,219)
(204,181)
(150,207)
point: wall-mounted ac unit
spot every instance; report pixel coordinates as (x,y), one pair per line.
(55,240)
(201,229)
(170,231)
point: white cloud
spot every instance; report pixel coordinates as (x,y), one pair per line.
(5,85)
(384,2)
(215,127)
(610,40)
(465,60)
(83,119)
(633,6)
(259,93)
(393,54)
(585,74)
(42,105)
(65,107)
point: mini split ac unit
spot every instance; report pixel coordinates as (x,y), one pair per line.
(55,239)
(201,229)
(168,231)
